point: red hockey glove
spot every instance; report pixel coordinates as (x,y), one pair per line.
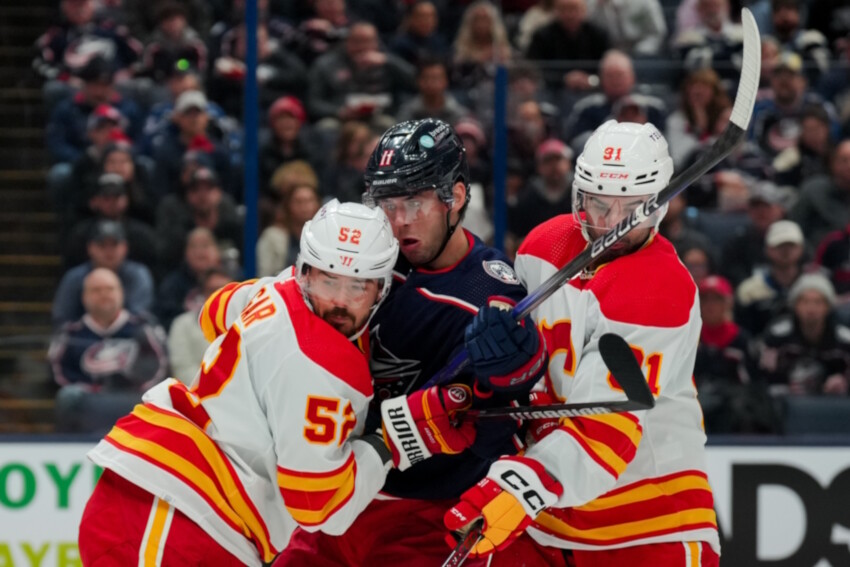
(514,492)
(505,355)
(540,428)
(420,425)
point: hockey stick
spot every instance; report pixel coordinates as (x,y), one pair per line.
(731,136)
(624,367)
(465,544)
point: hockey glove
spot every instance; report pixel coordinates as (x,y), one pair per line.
(420,425)
(506,356)
(514,492)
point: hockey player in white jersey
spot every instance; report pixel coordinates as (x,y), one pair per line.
(270,434)
(615,489)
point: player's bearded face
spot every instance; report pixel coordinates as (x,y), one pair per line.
(343,302)
(419,224)
(602,213)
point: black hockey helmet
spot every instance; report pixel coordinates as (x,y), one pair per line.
(414,156)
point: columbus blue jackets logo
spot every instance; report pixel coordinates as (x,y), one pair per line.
(110,356)
(501,271)
(393,376)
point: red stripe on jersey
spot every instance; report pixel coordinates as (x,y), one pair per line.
(323,344)
(556,241)
(312,497)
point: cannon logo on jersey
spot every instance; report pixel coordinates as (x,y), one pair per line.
(501,271)
(392,375)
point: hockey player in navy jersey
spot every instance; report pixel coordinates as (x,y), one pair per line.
(418,174)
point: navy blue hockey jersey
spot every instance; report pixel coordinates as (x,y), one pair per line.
(415,333)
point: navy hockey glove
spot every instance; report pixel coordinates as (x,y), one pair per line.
(505,355)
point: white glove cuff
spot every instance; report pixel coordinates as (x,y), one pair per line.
(523,483)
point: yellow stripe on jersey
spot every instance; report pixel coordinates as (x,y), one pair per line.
(694,550)
(668,522)
(311,498)
(234,506)
(601,450)
(214,311)
(647,492)
(154,539)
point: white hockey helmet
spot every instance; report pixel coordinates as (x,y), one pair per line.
(622,159)
(350,239)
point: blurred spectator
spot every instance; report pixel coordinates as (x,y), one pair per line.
(698,261)
(832,19)
(80,36)
(532,20)
(527,128)
(702,100)
(320,31)
(770,54)
(715,42)
(142,15)
(119,158)
(617,84)
(481,42)
(204,205)
(745,249)
(434,99)
(776,118)
(477,153)
(732,400)
(344,178)
(823,203)
(191,133)
(279,71)
(569,40)
(548,192)
(186,341)
(809,156)
(762,296)
(279,244)
(634,26)
(104,360)
(66,132)
(108,347)
(289,139)
(109,200)
(358,80)
(833,255)
(676,228)
(807,351)
(107,248)
(179,290)
(173,43)
(419,38)
(809,44)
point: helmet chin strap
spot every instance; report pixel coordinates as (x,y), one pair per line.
(450,230)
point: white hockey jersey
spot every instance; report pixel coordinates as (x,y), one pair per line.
(263,440)
(628,478)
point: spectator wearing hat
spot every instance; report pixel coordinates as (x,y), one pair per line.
(730,391)
(762,296)
(173,42)
(419,38)
(67,128)
(289,139)
(809,156)
(137,171)
(104,360)
(824,201)
(433,99)
(186,341)
(775,125)
(807,351)
(616,82)
(203,204)
(191,132)
(548,192)
(107,248)
(477,153)
(744,251)
(110,200)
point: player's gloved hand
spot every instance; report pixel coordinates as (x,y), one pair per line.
(540,428)
(421,424)
(514,492)
(505,355)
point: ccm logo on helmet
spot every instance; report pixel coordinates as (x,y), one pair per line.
(608,175)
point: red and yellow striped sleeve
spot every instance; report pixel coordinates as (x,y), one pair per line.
(678,502)
(213,318)
(311,498)
(178,446)
(610,440)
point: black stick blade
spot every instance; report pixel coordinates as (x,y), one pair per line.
(620,360)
